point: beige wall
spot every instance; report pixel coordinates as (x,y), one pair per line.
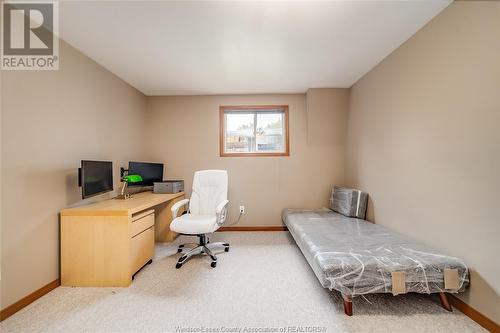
(52,120)
(424,141)
(183,132)
(327,111)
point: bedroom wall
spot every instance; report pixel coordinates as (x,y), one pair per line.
(183,133)
(424,141)
(50,121)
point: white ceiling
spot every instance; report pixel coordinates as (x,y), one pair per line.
(189,48)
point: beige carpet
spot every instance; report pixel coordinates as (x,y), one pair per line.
(262,285)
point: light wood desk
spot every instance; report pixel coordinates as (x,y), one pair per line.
(105,243)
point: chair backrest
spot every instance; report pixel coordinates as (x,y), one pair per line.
(209,190)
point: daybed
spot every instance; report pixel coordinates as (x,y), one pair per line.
(356,257)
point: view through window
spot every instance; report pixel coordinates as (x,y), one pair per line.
(254,130)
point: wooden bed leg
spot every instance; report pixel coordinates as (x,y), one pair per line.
(347,304)
(444,301)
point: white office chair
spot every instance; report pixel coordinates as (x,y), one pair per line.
(207,213)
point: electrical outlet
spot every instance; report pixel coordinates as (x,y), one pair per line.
(242,209)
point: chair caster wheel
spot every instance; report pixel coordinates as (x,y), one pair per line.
(178,265)
(226,249)
(213,264)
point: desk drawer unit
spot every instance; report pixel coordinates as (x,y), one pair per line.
(142,221)
(142,249)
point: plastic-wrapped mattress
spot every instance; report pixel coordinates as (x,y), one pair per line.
(357,257)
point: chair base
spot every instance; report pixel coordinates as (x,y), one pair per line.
(203,247)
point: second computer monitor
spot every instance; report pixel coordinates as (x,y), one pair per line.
(150,172)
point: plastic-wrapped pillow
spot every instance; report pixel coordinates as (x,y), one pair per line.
(349,202)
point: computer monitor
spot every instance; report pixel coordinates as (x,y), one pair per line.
(150,173)
(95,177)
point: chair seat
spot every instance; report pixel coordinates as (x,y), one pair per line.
(194,224)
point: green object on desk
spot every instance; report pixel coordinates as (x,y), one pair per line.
(132,178)
(126,180)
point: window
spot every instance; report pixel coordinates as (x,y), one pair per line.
(254,130)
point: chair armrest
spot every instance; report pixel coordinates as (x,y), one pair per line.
(177,205)
(221,212)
